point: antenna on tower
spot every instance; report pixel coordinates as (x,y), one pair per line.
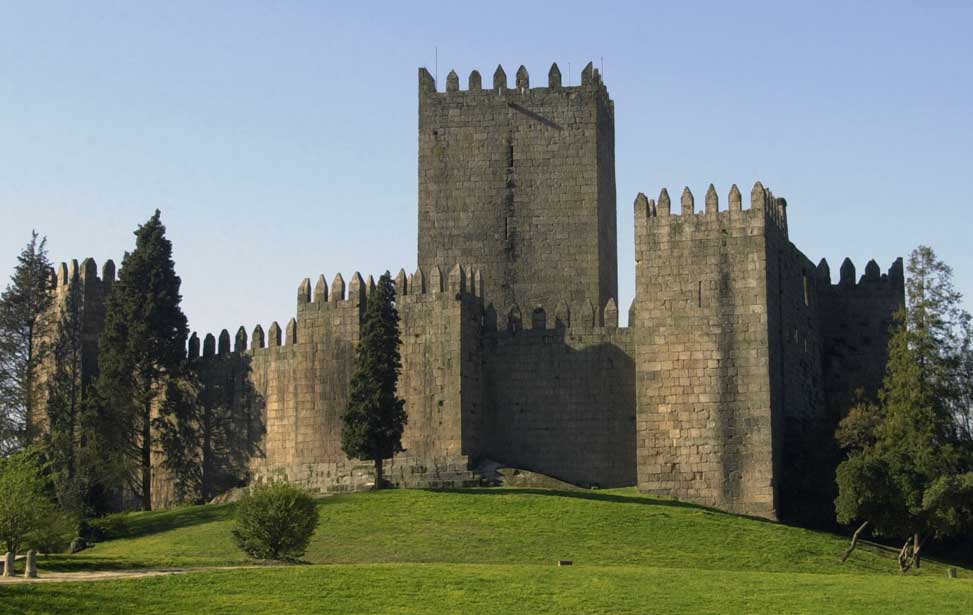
(436,48)
(602,58)
(569,73)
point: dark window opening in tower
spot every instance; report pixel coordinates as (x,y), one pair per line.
(506,228)
(510,155)
(699,294)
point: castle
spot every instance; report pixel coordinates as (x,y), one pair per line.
(738,353)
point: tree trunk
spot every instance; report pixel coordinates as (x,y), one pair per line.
(854,541)
(379,476)
(147,458)
(29,387)
(916,545)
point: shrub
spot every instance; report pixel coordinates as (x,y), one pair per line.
(105,528)
(275,522)
(54,532)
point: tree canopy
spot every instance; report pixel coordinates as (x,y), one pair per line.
(24,341)
(142,343)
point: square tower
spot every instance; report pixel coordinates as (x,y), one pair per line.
(520,184)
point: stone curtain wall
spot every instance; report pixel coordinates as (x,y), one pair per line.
(296,382)
(857,319)
(704,428)
(561,401)
(440,378)
(520,184)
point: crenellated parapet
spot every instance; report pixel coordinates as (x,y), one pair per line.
(873,278)
(590,81)
(765,210)
(345,302)
(86,273)
(583,317)
(456,282)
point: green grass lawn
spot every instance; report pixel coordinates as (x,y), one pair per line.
(493,551)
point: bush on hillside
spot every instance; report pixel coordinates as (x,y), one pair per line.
(54,532)
(275,522)
(104,528)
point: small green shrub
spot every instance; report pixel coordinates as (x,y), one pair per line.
(54,533)
(105,528)
(275,522)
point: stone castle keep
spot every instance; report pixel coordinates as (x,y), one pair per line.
(738,353)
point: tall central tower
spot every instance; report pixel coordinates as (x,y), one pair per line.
(520,184)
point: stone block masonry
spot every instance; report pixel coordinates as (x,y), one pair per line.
(520,183)
(739,357)
(705,430)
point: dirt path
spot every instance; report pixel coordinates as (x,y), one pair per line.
(107,575)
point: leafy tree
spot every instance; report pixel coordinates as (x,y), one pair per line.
(141,346)
(275,522)
(376,418)
(23,343)
(909,470)
(24,505)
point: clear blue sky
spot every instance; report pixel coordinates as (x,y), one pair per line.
(279,138)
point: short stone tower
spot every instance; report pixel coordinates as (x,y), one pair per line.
(519,183)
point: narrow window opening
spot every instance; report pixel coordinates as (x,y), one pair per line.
(699,294)
(807,291)
(506,228)
(510,155)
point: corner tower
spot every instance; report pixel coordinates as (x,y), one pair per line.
(520,184)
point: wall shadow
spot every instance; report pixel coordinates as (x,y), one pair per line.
(561,402)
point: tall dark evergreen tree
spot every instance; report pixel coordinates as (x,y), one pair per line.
(62,439)
(909,470)
(141,346)
(24,336)
(376,418)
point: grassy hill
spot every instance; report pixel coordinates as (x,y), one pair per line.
(494,550)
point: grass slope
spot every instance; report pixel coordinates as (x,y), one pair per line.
(493,550)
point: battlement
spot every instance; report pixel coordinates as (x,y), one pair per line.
(764,206)
(459,283)
(87,272)
(590,81)
(582,317)
(894,277)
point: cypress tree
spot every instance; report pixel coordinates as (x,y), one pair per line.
(65,399)
(24,337)
(141,346)
(376,418)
